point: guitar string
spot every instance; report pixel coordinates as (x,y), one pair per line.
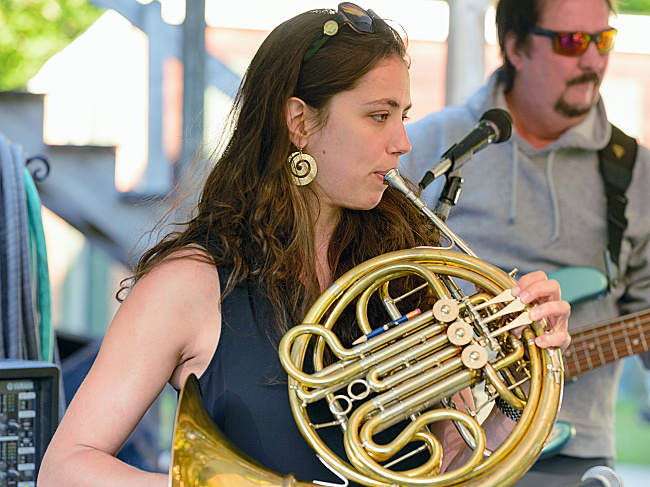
(599,332)
(617,341)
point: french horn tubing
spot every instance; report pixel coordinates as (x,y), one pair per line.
(407,377)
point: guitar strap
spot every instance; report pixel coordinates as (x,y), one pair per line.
(616,162)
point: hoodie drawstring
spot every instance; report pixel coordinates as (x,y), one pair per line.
(513,182)
(555,205)
(553,194)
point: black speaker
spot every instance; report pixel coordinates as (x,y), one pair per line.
(29,414)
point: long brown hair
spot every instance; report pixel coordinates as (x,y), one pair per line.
(251,217)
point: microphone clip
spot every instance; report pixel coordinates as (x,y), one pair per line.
(448,197)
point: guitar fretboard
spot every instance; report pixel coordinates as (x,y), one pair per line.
(607,342)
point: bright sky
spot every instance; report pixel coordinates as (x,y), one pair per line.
(422,19)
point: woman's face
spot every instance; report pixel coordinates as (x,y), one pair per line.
(362,139)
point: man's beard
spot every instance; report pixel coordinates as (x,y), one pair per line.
(574,111)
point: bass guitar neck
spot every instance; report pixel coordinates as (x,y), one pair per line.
(607,342)
(600,344)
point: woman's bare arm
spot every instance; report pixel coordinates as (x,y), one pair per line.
(167,327)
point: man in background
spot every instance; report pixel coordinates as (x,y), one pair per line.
(538,200)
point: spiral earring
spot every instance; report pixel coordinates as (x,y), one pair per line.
(303,168)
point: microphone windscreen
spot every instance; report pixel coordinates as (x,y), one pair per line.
(607,476)
(503,121)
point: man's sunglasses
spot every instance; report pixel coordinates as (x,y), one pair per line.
(360,20)
(575,43)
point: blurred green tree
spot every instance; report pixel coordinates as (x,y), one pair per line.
(32,31)
(634,6)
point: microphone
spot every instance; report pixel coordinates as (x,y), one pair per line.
(600,476)
(494,126)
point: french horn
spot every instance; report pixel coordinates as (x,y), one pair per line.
(407,377)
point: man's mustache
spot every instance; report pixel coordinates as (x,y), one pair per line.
(588,77)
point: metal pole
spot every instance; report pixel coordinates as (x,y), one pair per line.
(465,49)
(194,75)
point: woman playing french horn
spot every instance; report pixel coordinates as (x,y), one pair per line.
(296,199)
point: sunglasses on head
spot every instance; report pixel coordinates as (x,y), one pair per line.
(361,21)
(575,43)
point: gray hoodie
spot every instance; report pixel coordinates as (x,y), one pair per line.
(544,209)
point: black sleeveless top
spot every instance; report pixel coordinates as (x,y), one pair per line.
(245,391)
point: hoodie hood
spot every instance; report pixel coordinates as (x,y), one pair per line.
(592,133)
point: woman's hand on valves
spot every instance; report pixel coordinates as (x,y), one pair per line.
(536,288)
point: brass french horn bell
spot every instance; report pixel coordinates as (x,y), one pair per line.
(202,456)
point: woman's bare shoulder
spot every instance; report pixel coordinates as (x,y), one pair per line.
(179,302)
(183,265)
